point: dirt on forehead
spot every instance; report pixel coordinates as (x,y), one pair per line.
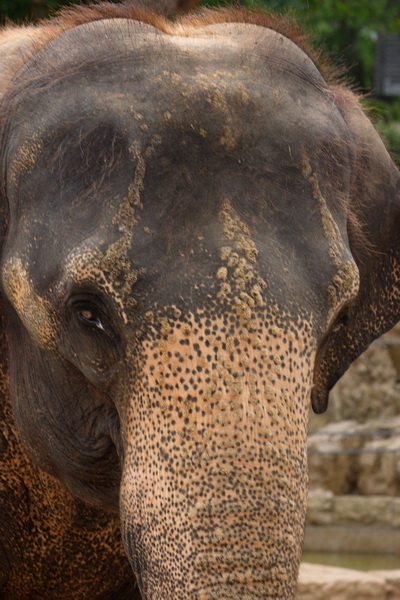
(242,341)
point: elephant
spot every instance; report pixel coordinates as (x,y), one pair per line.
(199,234)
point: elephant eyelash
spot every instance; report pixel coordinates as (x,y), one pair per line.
(89,316)
(93,316)
(88,313)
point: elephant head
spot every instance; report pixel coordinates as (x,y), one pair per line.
(200,236)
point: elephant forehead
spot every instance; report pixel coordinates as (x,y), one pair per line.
(183,101)
(214,75)
(158,132)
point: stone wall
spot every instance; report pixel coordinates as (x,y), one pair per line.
(324,508)
(354,458)
(318,582)
(354,470)
(354,491)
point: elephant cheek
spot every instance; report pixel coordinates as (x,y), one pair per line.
(213,490)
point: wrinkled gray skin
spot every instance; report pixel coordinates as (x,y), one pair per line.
(200,235)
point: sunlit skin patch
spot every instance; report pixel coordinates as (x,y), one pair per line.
(33,310)
(238,366)
(346,282)
(25,158)
(88,267)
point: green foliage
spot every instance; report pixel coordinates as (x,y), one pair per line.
(30,10)
(396,110)
(377,109)
(348,29)
(391,133)
(386,118)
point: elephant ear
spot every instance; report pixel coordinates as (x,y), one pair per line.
(16,45)
(374,241)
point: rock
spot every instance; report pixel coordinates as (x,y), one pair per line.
(369,389)
(352,539)
(320,507)
(329,467)
(319,582)
(393,340)
(326,509)
(362,510)
(353,458)
(379,471)
(392,578)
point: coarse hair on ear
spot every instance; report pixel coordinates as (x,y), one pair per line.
(375,207)
(16,47)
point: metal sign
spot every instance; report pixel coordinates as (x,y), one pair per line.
(387,65)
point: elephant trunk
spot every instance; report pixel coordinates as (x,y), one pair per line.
(214,480)
(210,521)
(249,539)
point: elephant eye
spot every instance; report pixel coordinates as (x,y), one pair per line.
(89,316)
(87,313)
